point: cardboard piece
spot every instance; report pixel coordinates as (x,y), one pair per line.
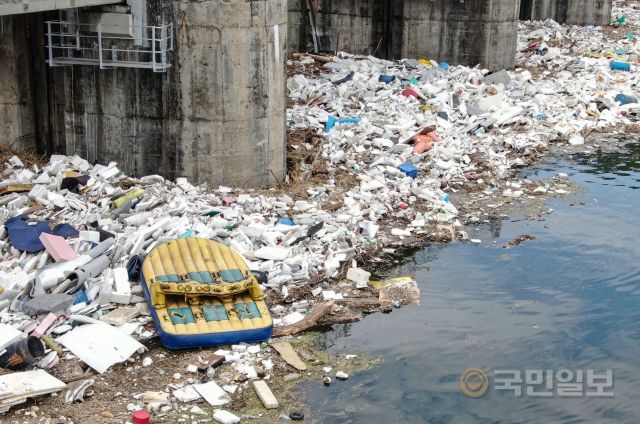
(289,355)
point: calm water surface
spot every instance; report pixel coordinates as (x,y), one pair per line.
(570,299)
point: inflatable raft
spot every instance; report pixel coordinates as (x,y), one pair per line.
(201,293)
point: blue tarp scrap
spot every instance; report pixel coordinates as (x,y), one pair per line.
(26,237)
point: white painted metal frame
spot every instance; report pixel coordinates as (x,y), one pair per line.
(69,43)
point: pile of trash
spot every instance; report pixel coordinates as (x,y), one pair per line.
(70,240)
(415,135)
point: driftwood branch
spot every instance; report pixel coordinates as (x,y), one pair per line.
(345,319)
(317,313)
(316,57)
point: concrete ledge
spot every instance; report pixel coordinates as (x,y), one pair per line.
(18,7)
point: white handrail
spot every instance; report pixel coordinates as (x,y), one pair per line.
(92,41)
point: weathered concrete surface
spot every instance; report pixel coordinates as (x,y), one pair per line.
(356,25)
(575,12)
(14,7)
(218,115)
(20,82)
(359,26)
(470,32)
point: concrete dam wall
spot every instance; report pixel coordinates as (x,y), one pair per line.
(212,107)
(575,12)
(470,32)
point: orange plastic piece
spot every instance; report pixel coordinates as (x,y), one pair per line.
(423,142)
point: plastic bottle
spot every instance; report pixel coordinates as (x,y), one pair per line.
(617,65)
(625,99)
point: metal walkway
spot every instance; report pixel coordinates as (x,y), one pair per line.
(109,46)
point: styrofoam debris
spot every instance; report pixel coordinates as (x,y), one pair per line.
(359,276)
(225,417)
(213,393)
(486,125)
(100,345)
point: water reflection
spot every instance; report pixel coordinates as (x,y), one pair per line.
(568,300)
(610,166)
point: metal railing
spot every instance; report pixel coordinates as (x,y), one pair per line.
(109,46)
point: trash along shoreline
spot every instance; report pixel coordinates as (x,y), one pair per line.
(382,155)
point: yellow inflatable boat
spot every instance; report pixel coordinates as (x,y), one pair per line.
(201,293)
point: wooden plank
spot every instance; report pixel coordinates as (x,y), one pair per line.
(289,355)
(317,312)
(15,188)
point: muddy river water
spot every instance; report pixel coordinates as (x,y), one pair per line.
(554,323)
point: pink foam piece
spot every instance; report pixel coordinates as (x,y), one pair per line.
(44,324)
(57,247)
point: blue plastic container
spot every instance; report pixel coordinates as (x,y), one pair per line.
(625,99)
(443,65)
(386,78)
(409,170)
(617,65)
(332,121)
(79,297)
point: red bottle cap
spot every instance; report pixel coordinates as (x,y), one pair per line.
(141,417)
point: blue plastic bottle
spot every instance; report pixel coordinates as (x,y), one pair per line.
(625,99)
(617,65)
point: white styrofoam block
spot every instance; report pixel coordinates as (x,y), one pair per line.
(359,276)
(213,393)
(272,253)
(225,417)
(265,394)
(121,287)
(90,236)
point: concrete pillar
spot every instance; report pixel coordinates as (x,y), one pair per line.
(356,26)
(217,116)
(468,32)
(574,12)
(298,29)
(17,118)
